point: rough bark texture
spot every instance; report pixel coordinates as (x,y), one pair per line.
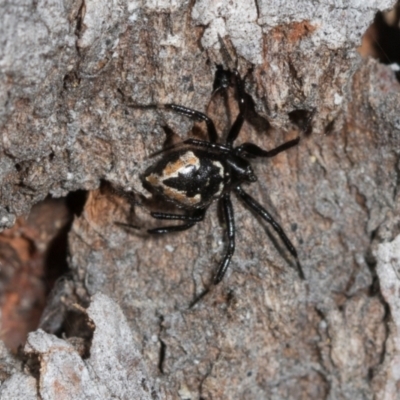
(68,74)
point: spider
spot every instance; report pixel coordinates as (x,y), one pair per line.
(195,173)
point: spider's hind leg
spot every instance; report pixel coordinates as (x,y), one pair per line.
(190,220)
(265,215)
(230,228)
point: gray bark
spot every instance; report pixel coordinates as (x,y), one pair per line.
(68,73)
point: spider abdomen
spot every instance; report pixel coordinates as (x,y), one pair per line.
(190,178)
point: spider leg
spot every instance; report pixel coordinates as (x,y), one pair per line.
(188,112)
(197,116)
(264,214)
(237,125)
(194,142)
(196,217)
(230,225)
(191,220)
(208,145)
(252,150)
(171,228)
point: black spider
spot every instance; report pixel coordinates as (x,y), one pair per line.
(195,173)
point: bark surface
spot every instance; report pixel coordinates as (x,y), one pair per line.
(69,74)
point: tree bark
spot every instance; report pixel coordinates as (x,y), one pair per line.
(70,73)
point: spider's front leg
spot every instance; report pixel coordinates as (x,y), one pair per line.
(227,209)
(242,101)
(250,150)
(187,112)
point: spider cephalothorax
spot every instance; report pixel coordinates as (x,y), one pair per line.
(195,173)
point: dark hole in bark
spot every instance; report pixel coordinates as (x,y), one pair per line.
(163,348)
(76,201)
(79,331)
(382,39)
(387,43)
(302,119)
(32,363)
(34,256)
(71,81)
(56,256)
(329,127)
